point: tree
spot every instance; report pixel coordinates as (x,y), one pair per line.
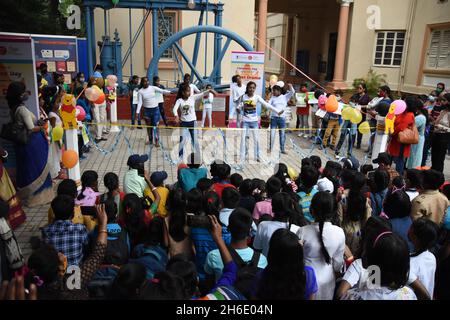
(38,16)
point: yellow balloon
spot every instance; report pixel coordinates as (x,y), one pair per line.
(57,133)
(273,78)
(347,113)
(292,173)
(356,117)
(364,127)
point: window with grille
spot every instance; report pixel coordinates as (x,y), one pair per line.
(389,48)
(166,28)
(438,55)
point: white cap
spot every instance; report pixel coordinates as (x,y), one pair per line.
(280,84)
(325,184)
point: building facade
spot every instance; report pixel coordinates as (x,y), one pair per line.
(338,41)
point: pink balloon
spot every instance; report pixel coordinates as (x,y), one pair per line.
(81,114)
(322,101)
(400,106)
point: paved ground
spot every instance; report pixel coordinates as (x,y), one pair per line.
(212,143)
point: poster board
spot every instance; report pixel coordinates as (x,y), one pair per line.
(60,53)
(16,64)
(250,66)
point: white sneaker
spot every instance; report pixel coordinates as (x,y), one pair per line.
(305,136)
(299,135)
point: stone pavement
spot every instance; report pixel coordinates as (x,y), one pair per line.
(212,143)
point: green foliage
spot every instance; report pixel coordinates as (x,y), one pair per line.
(39,17)
(373,81)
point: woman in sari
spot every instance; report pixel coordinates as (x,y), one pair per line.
(33,173)
(15,216)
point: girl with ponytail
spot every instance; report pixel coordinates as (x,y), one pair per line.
(89,189)
(323,244)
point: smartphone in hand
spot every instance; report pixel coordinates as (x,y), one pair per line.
(89,211)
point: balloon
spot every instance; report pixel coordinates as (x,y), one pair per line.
(112,80)
(57,133)
(97,88)
(364,127)
(70,159)
(356,117)
(400,106)
(100,99)
(332,104)
(81,114)
(91,94)
(347,113)
(292,173)
(322,101)
(273,80)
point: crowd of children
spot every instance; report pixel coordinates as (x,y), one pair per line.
(215,235)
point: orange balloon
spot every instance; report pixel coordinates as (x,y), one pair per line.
(332,104)
(100,99)
(69,159)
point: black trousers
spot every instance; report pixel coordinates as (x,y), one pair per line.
(439,146)
(360,136)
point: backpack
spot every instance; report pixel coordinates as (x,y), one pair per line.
(117,252)
(247,271)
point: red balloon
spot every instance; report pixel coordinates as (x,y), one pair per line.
(100,99)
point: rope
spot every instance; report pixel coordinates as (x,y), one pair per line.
(104,151)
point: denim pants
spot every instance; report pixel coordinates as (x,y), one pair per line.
(253,128)
(400,161)
(184,125)
(151,117)
(133,114)
(346,130)
(277,123)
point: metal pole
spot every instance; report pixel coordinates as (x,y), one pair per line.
(89,43)
(154,32)
(197,41)
(130,32)
(93,42)
(218,45)
(105,20)
(206,38)
(133,42)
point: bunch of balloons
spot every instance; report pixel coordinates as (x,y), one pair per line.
(95,94)
(351,114)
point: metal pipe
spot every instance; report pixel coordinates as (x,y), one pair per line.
(105,19)
(89,43)
(93,42)
(218,45)
(136,36)
(220,57)
(206,37)
(154,31)
(197,41)
(129,35)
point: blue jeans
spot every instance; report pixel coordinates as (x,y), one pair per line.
(253,127)
(190,124)
(151,117)
(400,161)
(133,114)
(277,123)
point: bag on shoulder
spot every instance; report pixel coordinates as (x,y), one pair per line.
(15,131)
(409,135)
(246,271)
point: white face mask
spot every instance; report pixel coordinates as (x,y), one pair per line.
(82,79)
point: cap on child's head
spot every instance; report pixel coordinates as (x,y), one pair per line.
(157,178)
(136,159)
(325,185)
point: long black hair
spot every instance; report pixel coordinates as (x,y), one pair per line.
(323,208)
(88,180)
(356,201)
(111,181)
(426,232)
(284,277)
(388,91)
(183,87)
(133,215)
(285,209)
(14,94)
(176,205)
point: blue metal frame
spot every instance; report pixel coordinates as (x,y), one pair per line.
(173,41)
(154,5)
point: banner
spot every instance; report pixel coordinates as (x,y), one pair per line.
(250,66)
(59,53)
(16,64)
